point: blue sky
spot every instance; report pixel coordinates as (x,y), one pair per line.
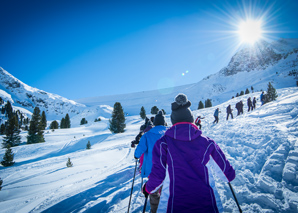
(89,48)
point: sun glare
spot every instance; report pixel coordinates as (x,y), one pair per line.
(250,31)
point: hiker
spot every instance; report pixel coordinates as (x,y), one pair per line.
(216,115)
(144,128)
(181,161)
(198,121)
(145,146)
(249,104)
(254,102)
(241,107)
(262,98)
(237,106)
(229,112)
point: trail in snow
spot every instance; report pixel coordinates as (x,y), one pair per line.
(261,145)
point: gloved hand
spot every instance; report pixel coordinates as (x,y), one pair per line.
(136,157)
(133,144)
(144,190)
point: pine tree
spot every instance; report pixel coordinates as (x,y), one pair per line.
(8,157)
(43,120)
(62,124)
(84,121)
(252,89)
(201,105)
(117,124)
(246,91)
(35,133)
(208,103)
(2,129)
(8,109)
(143,113)
(69,163)
(12,133)
(271,93)
(67,121)
(88,146)
(237,95)
(241,93)
(164,112)
(97,119)
(54,125)
(154,110)
(1,181)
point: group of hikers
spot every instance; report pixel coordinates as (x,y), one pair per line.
(251,105)
(177,161)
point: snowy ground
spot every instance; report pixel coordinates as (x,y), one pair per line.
(261,145)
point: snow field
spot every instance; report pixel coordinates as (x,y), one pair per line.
(261,145)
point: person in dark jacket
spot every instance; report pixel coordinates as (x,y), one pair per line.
(254,103)
(249,104)
(229,112)
(216,115)
(144,128)
(262,98)
(241,107)
(237,106)
(181,162)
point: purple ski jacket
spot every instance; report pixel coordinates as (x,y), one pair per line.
(180,165)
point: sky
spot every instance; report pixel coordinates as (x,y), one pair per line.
(88,48)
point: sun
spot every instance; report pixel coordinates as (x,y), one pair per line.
(250,31)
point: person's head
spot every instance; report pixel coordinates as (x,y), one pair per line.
(152,119)
(180,110)
(159,119)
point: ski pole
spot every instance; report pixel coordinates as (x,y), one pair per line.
(235,198)
(132,185)
(144,209)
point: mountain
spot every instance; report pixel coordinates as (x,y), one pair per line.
(22,95)
(254,66)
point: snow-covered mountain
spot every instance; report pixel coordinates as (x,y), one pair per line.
(254,66)
(24,96)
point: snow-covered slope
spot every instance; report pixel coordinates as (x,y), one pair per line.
(261,145)
(22,95)
(255,66)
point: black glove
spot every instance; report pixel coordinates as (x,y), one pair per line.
(144,190)
(136,158)
(133,144)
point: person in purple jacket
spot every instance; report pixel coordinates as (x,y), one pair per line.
(181,162)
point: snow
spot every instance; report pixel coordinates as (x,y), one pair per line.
(261,145)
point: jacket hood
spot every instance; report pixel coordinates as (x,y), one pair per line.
(184,131)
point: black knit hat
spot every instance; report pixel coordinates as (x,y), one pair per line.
(180,110)
(159,119)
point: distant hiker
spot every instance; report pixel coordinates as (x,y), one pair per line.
(249,104)
(198,121)
(216,115)
(241,107)
(181,162)
(229,112)
(145,146)
(254,102)
(262,98)
(238,107)
(147,125)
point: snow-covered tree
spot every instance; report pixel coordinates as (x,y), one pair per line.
(117,123)
(12,133)
(201,105)
(54,125)
(69,163)
(154,110)
(35,133)
(143,113)
(88,146)
(8,157)
(43,120)
(271,93)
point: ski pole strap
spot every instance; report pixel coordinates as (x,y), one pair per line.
(235,197)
